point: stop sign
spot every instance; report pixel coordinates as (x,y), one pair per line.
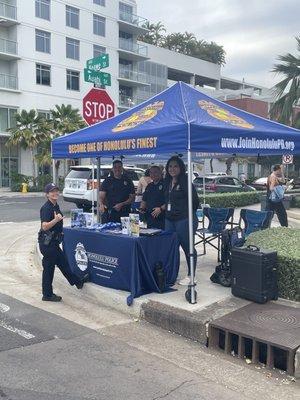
(97,106)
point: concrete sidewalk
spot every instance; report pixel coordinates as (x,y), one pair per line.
(7,193)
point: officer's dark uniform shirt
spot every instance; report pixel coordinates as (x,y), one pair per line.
(47,215)
(117,191)
(178,199)
(154,196)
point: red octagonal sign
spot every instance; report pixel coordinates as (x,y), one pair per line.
(97,106)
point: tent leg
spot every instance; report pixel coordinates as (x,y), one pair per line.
(53,171)
(191,233)
(98,186)
(93,190)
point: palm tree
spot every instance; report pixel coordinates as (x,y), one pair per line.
(30,130)
(65,119)
(155,35)
(282,109)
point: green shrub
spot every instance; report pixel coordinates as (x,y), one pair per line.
(238,199)
(296,201)
(17,180)
(286,242)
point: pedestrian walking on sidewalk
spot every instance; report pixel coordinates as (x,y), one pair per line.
(50,237)
(276,179)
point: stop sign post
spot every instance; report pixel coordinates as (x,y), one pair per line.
(97,106)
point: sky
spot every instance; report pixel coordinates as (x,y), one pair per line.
(252,32)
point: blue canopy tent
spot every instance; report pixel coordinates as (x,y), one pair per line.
(180,119)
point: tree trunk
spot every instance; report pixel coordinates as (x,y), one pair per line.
(211,165)
(33,166)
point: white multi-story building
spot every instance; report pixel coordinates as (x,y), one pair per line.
(44,46)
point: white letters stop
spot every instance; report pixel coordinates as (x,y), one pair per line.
(98,110)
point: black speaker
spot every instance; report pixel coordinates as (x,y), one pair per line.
(254,274)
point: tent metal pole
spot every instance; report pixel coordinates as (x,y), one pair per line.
(93,190)
(98,186)
(191,218)
(53,171)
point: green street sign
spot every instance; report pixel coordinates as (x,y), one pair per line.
(98,63)
(97,78)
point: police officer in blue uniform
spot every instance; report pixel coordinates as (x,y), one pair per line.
(50,236)
(154,200)
(116,195)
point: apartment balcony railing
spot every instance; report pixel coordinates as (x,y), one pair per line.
(132,19)
(8,46)
(8,11)
(136,76)
(129,45)
(8,81)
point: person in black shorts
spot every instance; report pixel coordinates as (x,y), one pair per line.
(116,195)
(154,199)
(49,239)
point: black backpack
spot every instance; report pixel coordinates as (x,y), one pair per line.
(229,238)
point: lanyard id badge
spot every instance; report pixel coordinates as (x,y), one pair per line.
(169,207)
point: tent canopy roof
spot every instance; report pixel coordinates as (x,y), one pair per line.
(178,119)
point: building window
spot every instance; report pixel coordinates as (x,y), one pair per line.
(99,2)
(98,50)
(43,74)
(251,170)
(72,17)
(42,41)
(7,118)
(72,48)
(44,114)
(72,80)
(98,25)
(42,9)
(125,9)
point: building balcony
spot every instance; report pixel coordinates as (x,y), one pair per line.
(133,51)
(132,23)
(126,102)
(8,49)
(8,14)
(133,78)
(8,82)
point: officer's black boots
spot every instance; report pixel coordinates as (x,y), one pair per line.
(54,298)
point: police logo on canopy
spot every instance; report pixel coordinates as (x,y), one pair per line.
(139,117)
(223,115)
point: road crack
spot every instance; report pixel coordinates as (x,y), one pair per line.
(172,390)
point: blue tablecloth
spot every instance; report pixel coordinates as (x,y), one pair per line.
(122,262)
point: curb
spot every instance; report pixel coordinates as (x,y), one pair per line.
(293,214)
(191,325)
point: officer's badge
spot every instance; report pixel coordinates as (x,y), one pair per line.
(81,257)
(125,183)
(139,117)
(223,115)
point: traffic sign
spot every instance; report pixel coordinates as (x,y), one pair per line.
(98,78)
(287,159)
(98,63)
(97,106)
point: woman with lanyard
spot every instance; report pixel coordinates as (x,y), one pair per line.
(275,179)
(176,207)
(50,237)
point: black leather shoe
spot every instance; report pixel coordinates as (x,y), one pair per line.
(82,282)
(54,298)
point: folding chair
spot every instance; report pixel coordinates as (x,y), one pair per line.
(218,218)
(255,220)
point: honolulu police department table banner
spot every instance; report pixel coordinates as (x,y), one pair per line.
(120,261)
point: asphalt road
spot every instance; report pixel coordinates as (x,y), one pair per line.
(21,209)
(44,356)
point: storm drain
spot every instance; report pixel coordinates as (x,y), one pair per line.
(264,333)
